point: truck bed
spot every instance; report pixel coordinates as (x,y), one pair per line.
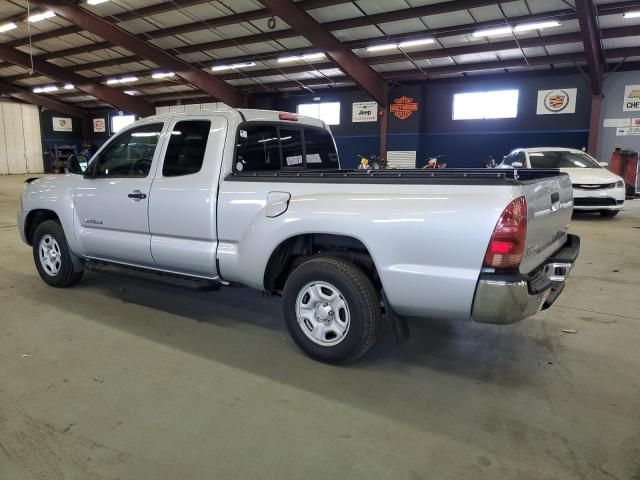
(454,176)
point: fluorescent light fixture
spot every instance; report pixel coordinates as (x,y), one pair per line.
(305,57)
(382,46)
(7,26)
(634,14)
(524,27)
(218,68)
(416,42)
(45,89)
(127,79)
(490,32)
(290,58)
(158,75)
(68,86)
(313,56)
(96,2)
(37,17)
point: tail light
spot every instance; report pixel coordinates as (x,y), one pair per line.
(507,242)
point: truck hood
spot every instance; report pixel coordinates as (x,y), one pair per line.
(590,175)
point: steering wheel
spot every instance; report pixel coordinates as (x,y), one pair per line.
(140,167)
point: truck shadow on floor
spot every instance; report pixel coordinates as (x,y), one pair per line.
(255,328)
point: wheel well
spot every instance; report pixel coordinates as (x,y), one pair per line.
(35,218)
(295,250)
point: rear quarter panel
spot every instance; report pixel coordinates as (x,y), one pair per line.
(427,241)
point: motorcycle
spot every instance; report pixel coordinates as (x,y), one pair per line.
(434,162)
(371,162)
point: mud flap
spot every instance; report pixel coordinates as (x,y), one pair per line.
(398,323)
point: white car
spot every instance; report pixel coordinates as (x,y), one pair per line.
(595,188)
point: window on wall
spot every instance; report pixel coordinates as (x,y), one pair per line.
(328,112)
(485,105)
(118,122)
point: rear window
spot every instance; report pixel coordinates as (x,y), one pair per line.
(185,152)
(273,147)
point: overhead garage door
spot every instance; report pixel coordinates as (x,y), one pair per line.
(20,143)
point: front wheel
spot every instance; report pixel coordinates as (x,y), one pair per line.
(609,213)
(52,255)
(332,310)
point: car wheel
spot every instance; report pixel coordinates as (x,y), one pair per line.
(609,213)
(52,255)
(332,310)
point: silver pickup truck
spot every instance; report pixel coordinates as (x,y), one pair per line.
(258,198)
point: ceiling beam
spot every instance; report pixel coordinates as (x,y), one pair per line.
(367,78)
(156,9)
(118,36)
(360,21)
(47,102)
(590,31)
(109,95)
(440,8)
(563,38)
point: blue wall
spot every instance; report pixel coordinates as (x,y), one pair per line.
(468,143)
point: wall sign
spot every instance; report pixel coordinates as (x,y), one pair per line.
(364,112)
(403,107)
(631,98)
(62,124)
(616,122)
(628,131)
(557,101)
(99,125)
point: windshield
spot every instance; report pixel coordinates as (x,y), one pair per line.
(559,159)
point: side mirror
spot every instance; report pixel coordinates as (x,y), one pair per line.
(517,165)
(603,164)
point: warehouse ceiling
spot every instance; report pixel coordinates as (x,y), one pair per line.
(240,43)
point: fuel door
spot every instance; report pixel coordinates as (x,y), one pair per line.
(277,203)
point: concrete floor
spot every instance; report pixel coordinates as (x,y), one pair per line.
(125,378)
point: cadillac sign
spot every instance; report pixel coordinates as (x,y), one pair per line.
(557,101)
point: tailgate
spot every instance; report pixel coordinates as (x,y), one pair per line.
(549,209)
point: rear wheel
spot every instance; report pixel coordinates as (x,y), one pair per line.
(609,213)
(52,255)
(332,310)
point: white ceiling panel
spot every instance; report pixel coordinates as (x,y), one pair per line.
(622,42)
(565,48)
(356,33)
(337,12)
(403,26)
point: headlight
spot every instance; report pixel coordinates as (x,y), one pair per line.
(619,184)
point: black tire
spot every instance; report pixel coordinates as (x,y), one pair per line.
(358,293)
(609,213)
(64,276)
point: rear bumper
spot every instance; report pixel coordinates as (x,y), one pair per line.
(508,298)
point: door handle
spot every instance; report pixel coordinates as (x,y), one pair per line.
(137,195)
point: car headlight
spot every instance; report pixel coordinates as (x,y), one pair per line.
(619,184)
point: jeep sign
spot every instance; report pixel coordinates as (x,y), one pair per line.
(632,98)
(364,112)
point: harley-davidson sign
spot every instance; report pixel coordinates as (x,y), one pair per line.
(403,107)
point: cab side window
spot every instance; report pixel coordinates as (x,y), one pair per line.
(187,144)
(130,154)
